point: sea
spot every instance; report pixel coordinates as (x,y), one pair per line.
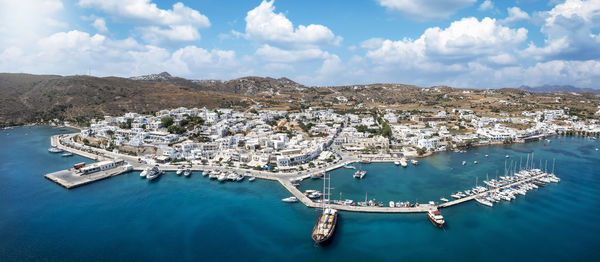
(175,218)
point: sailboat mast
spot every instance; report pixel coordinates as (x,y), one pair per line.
(553,161)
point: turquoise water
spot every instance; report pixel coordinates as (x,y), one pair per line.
(126,218)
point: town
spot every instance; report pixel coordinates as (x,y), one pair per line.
(282,141)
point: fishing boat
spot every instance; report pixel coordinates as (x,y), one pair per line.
(67,154)
(436,218)
(360,174)
(327,221)
(291,199)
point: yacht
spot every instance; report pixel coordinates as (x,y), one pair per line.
(54,150)
(232,177)
(187,172)
(507,156)
(252,178)
(291,199)
(360,174)
(444,199)
(436,218)
(222,177)
(403,162)
(414,162)
(316,175)
(391,204)
(484,201)
(179,170)
(349,167)
(144,173)
(213,175)
(239,178)
(464,163)
(67,154)
(397,162)
(154,173)
(475,162)
(486,155)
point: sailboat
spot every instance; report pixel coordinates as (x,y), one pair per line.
(327,221)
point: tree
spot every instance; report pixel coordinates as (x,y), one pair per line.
(110,133)
(241,143)
(421,151)
(176,129)
(86,141)
(166,121)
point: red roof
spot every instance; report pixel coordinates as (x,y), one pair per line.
(437,213)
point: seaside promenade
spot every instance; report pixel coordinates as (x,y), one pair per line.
(69,179)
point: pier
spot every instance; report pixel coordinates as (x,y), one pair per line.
(69,178)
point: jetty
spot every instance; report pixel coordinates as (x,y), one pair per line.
(71,178)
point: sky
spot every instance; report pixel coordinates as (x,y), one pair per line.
(458,43)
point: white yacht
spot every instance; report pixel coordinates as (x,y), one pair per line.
(484,201)
(54,150)
(179,171)
(464,163)
(397,162)
(291,199)
(145,172)
(360,174)
(414,162)
(222,177)
(444,199)
(391,204)
(252,178)
(187,172)
(403,162)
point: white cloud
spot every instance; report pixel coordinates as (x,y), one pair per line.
(424,10)
(462,41)
(486,5)
(515,14)
(569,28)
(23,22)
(100,25)
(155,23)
(265,26)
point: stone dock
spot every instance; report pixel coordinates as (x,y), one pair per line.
(69,178)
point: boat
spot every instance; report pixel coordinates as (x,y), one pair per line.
(444,199)
(179,171)
(252,178)
(360,174)
(144,173)
(154,173)
(414,162)
(187,172)
(232,177)
(291,199)
(397,162)
(327,221)
(67,154)
(486,155)
(349,167)
(239,178)
(222,177)
(464,163)
(436,218)
(391,204)
(475,162)
(484,201)
(54,150)
(507,156)
(403,162)
(316,175)
(364,161)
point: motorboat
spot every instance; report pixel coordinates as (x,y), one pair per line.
(252,178)
(444,199)
(397,162)
(349,167)
(414,162)
(403,162)
(391,204)
(187,172)
(222,177)
(232,177)
(67,154)
(316,175)
(179,171)
(464,163)
(54,150)
(484,201)
(144,173)
(475,162)
(154,173)
(291,199)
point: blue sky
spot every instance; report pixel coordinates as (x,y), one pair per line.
(459,43)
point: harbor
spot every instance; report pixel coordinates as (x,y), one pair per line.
(197,208)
